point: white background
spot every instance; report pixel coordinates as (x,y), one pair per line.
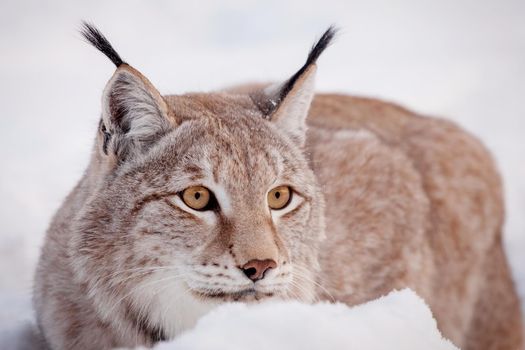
(464,60)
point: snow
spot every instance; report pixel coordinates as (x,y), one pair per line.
(459,59)
(400,320)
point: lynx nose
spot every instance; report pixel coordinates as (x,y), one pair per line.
(255,269)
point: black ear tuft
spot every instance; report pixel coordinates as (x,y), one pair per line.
(269,100)
(315,52)
(98,40)
(321,45)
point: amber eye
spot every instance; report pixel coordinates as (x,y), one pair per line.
(279,197)
(196,197)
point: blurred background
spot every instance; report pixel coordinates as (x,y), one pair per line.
(460,59)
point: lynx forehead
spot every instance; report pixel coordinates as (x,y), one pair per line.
(197,199)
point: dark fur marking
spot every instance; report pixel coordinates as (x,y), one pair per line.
(153,197)
(315,52)
(193,169)
(106,136)
(268,105)
(155,334)
(221,294)
(99,41)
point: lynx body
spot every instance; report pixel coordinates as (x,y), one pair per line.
(377,198)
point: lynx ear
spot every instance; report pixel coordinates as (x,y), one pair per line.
(134,114)
(287,104)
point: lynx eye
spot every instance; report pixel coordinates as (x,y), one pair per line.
(197,197)
(279,197)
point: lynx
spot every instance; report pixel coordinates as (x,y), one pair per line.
(270,191)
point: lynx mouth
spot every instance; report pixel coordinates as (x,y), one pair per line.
(246,295)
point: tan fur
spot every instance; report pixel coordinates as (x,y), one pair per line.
(384,199)
(430,217)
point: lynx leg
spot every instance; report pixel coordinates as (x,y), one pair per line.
(496,323)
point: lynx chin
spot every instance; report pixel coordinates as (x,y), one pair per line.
(270,191)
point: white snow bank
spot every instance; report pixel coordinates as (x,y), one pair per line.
(400,320)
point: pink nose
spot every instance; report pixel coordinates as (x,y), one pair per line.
(255,269)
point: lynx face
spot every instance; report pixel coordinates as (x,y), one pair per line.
(139,237)
(199,199)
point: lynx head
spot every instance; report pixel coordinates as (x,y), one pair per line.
(197,199)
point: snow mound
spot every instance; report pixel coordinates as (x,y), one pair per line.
(400,320)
